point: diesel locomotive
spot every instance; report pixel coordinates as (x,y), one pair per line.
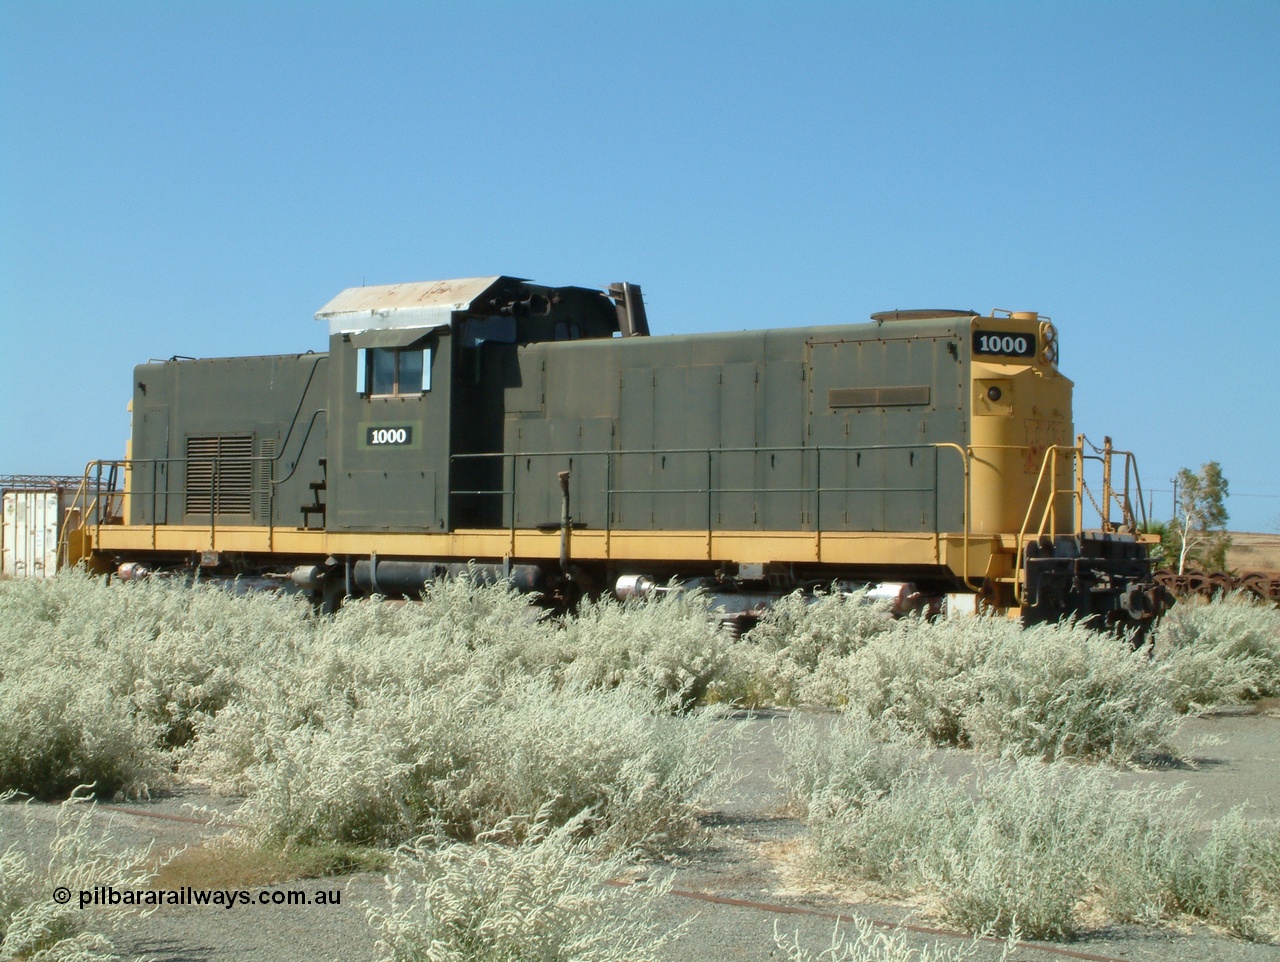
(540,434)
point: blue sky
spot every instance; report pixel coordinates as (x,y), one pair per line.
(198,178)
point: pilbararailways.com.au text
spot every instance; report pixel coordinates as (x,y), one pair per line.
(108,895)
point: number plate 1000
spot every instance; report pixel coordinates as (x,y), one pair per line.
(1004,343)
(382,437)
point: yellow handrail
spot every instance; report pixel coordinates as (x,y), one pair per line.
(1049,514)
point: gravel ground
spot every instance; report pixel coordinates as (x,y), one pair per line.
(731,892)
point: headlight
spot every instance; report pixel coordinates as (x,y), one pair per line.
(1049,344)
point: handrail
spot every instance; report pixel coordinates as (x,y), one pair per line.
(95,509)
(813,456)
(1122,499)
(1048,516)
(301,447)
(1078,492)
(92,511)
(158,494)
(298,410)
(63,556)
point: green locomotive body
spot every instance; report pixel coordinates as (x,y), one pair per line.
(543,434)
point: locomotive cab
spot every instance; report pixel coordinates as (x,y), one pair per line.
(416,396)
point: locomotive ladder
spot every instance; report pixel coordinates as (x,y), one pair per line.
(1032,531)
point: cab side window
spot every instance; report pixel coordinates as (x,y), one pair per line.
(393,371)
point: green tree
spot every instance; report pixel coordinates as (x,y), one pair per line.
(1198,532)
(1160,553)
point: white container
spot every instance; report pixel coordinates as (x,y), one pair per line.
(29,540)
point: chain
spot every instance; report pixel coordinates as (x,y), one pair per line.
(1126,509)
(1092,501)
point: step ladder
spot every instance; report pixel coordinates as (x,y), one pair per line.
(317,506)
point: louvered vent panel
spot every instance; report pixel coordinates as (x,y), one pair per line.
(266,449)
(220,475)
(859,397)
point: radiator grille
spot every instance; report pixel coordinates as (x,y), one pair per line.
(220,475)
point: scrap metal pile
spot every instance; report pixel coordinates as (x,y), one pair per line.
(1263,585)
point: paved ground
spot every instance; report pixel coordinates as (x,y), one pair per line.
(731,892)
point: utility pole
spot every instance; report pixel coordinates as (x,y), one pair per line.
(1174,482)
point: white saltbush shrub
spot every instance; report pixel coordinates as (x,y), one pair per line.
(369,726)
(1051,690)
(62,723)
(1232,878)
(1028,848)
(391,720)
(669,646)
(807,628)
(848,760)
(1056,690)
(860,940)
(201,638)
(1222,652)
(62,727)
(100,680)
(781,661)
(1031,845)
(35,928)
(918,675)
(1065,691)
(519,892)
(459,626)
(377,766)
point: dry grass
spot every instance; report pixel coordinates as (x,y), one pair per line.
(861,940)
(235,862)
(1254,552)
(1267,706)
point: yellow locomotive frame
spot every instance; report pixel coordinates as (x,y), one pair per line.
(990,564)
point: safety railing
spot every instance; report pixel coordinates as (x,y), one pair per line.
(102,480)
(1047,493)
(150,490)
(813,465)
(153,483)
(809,461)
(96,501)
(1122,497)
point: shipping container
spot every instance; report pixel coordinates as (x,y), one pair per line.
(30,534)
(34,510)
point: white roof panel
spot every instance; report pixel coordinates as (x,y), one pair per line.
(385,306)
